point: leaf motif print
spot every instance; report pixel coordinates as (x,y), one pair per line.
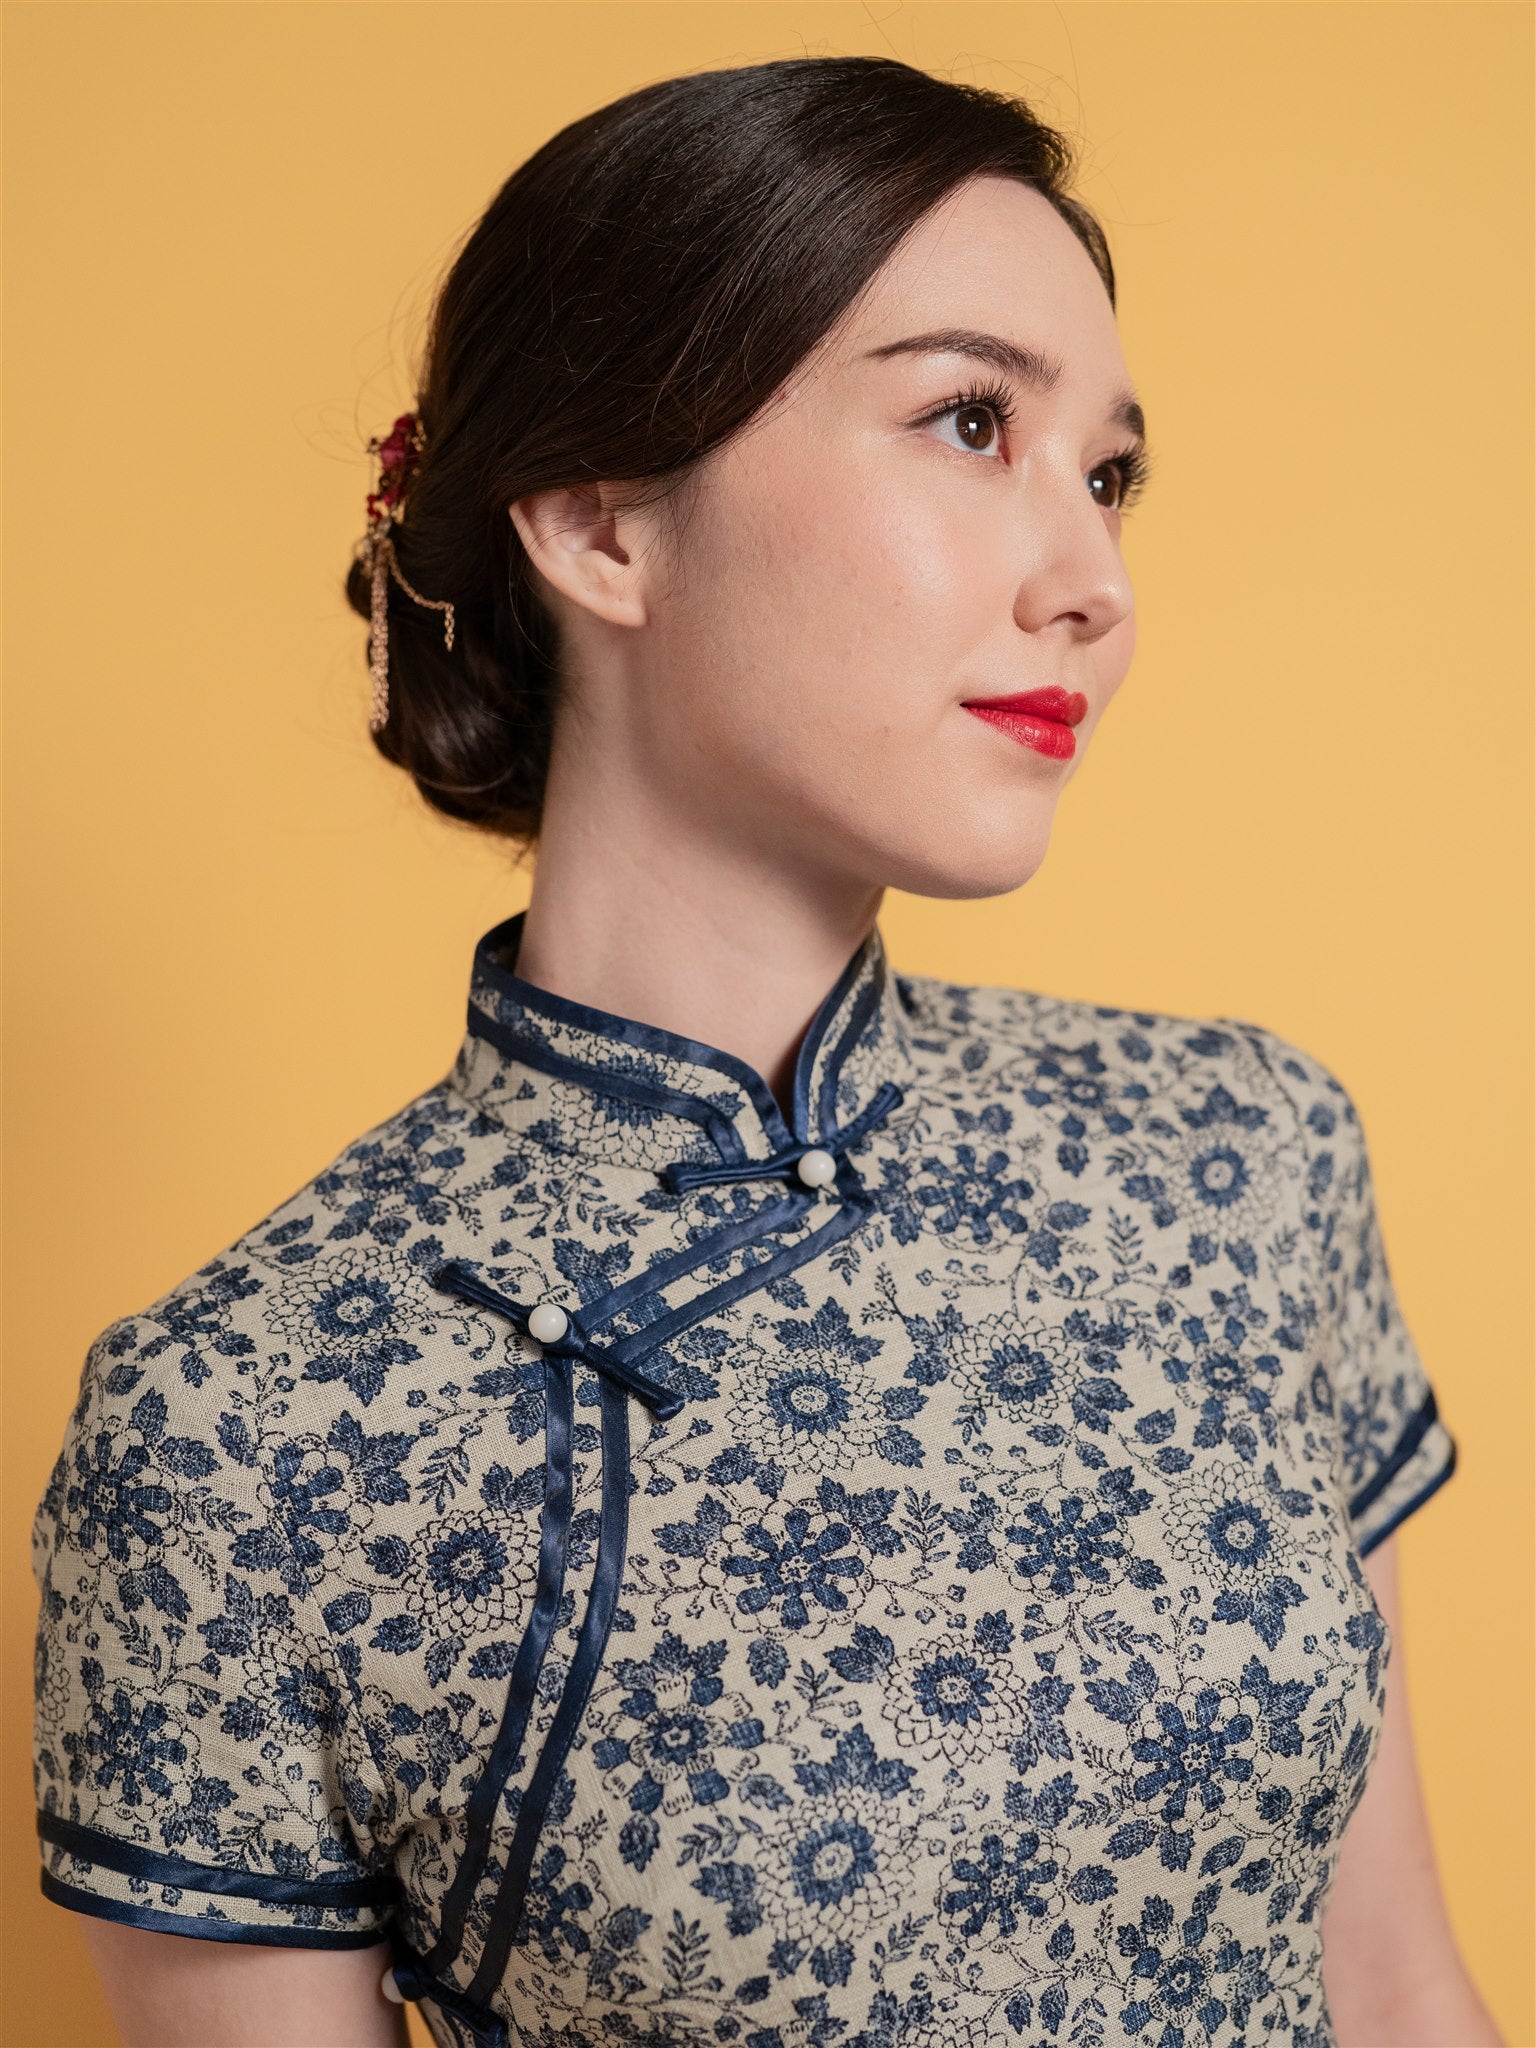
(923,1605)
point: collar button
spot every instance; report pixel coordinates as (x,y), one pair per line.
(816,1167)
(548,1322)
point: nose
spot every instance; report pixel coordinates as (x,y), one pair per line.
(1074,578)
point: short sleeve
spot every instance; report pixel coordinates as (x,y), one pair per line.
(195,1759)
(1393,1448)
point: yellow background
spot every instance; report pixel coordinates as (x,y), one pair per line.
(237,939)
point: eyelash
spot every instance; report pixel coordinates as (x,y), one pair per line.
(1133,462)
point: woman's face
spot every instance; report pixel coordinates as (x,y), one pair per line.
(859,562)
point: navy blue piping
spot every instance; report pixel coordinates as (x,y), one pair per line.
(683,1174)
(856,1208)
(630,1087)
(596,1622)
(487,2029)
(506,1911)
(670,1045)
(811,1045)
(460,1278)
(851,1033)
(607,1576)
(677,1265)
(554,1535)
(1369,1543)
(133,1860)
(268,1934)
(639,1344)
(1412,1436)
(616,1386)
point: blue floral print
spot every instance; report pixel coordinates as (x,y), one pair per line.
(916,1598)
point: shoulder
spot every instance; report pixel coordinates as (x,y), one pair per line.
(196,1388)
(197,1694)
(1143,1055)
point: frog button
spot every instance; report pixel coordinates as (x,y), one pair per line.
(548,1322)
(816,1167)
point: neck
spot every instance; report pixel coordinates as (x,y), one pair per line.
(738,961)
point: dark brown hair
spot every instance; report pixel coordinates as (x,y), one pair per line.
(632,295)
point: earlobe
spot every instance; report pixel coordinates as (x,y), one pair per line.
(575,538)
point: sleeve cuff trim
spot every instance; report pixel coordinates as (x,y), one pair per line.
(1369,1543)
(132,1860)
(205,1927)
(1413,1435)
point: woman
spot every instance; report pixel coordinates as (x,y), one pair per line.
(782,1501)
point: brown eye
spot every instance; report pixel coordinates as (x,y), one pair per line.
(1128,472)
(978,424)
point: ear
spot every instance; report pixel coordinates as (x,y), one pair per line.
(588,544)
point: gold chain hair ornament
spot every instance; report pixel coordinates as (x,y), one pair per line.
(399,457)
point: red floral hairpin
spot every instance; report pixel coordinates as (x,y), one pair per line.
(398,454)
(399,457)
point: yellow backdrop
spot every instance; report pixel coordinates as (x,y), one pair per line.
(237,939)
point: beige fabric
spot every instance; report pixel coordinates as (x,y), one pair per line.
(979,1653)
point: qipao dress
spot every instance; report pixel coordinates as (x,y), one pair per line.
(909,1589)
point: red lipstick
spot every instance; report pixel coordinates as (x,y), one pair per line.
(1042,719)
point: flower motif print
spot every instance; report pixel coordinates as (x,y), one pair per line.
(342,1316)
(1191,1754)
(972,1195)
(134,1745)
(472,1572)
(810,1397)
(1217,1171)
(312,1502)
(954,1693)
(953,1700)
(679,1739)
(123,1509)
(1069,1541)
(1227,1524)
(1001,1882)
(1015,1368)
(840,1861)
(1179,1972)
(297,1691)
(794,1567)
(918,1608)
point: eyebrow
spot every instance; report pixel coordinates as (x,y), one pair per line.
(1027,366)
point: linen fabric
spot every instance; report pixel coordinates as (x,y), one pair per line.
(921,1607)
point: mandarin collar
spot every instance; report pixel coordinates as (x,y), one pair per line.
(590,1081)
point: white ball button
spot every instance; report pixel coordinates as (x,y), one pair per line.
(816,1167)
(390,1988)
(548,1322)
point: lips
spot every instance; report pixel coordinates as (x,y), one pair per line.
(1039,719)
(1065,707)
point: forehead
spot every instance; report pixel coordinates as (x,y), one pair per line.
(996,256)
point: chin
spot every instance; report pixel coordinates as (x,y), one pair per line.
(965,871)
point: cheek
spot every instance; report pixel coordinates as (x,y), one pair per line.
(810,669)
(854,599)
